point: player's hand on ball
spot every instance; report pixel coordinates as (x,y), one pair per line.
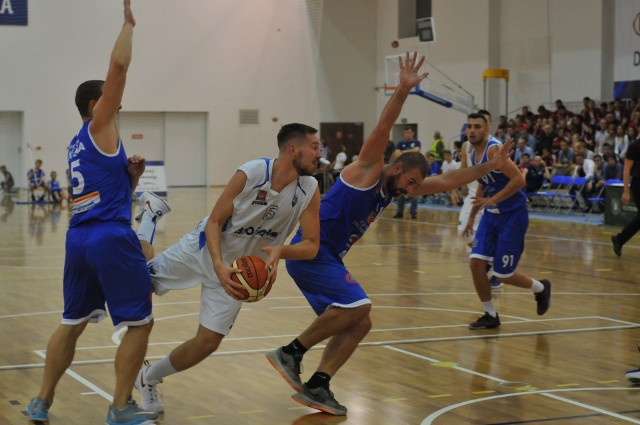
(224,274)
(274,253)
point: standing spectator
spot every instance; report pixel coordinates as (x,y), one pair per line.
(388,152)
(631,187)
(457,149)
(449,164)
(338,163)
(409,144)
(7,182)
(437,147)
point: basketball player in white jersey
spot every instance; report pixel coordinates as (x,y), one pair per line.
(467,205)
(260,207)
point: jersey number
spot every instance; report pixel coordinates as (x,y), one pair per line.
(507,261)
(77,175)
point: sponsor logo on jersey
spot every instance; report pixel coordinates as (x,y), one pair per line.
(350,279)
(294,201)
(251,231)
(75,149)
(261,198)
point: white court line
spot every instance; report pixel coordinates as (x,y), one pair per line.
(318,347)
(82,380)
(429,419)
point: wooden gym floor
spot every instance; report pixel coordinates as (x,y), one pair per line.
(419,365)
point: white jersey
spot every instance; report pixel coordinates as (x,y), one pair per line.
(261,217)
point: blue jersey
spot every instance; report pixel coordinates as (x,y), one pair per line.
(495,181)
(36,176)
(101,183)
(54,186)
(346,212)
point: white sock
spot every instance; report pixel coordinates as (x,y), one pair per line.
(147,229)
(159,370)
(537,286)
(489,308)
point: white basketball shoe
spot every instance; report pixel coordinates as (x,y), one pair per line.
(154,205)
(150,398)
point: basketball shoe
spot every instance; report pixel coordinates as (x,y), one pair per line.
(633,376)
(38,410)
(130,415)
(150,397)
(288,365)
(543,299)
(154,205)
(320,398)
(487,321)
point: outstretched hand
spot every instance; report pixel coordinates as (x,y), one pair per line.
(128,15)
(502,155)
(409,76)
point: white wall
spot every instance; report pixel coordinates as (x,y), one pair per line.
(215,56)
(305,61)
(553,49)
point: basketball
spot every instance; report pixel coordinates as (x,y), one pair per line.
(253,277)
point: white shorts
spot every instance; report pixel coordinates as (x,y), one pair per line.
(185,265)
(465,211)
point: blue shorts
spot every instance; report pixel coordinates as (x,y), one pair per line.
(500,240)
(104,262)
(326,282)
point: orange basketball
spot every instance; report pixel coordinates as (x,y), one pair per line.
(253,277)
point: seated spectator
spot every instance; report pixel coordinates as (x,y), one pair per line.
(37,179)
(583,168)
(434,167)
(596,184)
(565,160)
(55,191)
(521,149)
(607,151)
(612,169)
(7,182)
(580,147)
(620,142)
(535,173)
(549,158)
(339,162)
(457,147)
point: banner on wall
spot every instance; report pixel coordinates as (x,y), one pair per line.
(153,179)
(626,66)
(13,12)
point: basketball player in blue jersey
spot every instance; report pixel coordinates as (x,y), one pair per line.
(365,187)
(104,261)
(500,235)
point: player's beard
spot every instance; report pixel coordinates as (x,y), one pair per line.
(391,186)
(302,171)
(479,140)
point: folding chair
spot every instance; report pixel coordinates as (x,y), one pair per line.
(599,198)
(578,184)
(554,196)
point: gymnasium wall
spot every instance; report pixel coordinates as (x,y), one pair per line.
(293,60)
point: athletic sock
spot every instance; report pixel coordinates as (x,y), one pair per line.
(537,286)
(295,347)
(147,229)
(318,379)
(489,308)
(160,370)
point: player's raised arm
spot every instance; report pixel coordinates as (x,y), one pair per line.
(103,127)
(372,152)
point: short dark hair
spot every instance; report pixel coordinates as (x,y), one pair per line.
(527,155)
(86,92)
(411,160)
(484,112)
(446,151)
(293,131)
(476,116)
